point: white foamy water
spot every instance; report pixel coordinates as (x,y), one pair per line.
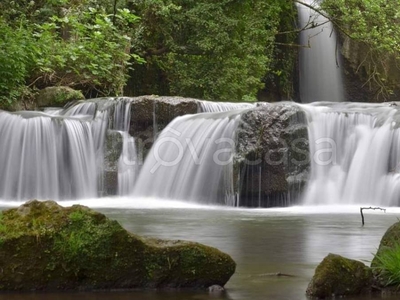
(192,160)
(41,157)
(355,154)
(211,106)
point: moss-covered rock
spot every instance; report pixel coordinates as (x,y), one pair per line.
(57,96)
(44,246)
(340,276)
(390,239)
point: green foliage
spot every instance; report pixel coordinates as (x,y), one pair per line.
(280,75)
(387,263)
(222,50)
(16,59)
(208,49)
(373,22)
(73,43)
(376,26)
(91,51)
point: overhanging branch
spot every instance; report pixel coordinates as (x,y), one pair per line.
(322,13)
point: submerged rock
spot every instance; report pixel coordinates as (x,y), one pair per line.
(216,290)
(44,246)
(340,276)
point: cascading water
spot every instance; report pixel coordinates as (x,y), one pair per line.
(46,158)
(101,110)
(127,164)
(192,160)
(208,106)
(320,76)
(355,154)
(64,153)
(59,154)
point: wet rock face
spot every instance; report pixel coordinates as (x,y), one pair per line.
(112,152)
(151,114)
(272,156)
(44,246)
(340,276)
(359,64)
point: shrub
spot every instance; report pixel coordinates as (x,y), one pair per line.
(387,263)
(16,59)
(78,44)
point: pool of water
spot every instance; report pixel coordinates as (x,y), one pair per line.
(262,241)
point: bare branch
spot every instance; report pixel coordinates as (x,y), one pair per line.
(322,13)
(373,208)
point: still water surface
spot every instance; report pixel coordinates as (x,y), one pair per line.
(261,241)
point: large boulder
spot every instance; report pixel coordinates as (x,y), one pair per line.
(44,246)
(151,114)
(272,155)
(57,96)
(339,276)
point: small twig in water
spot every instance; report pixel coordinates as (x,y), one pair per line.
(373,208)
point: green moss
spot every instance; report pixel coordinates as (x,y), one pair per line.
(46,246)
(340,276)
(58,96)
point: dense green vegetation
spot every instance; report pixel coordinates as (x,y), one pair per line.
(376,26)
(72,43)
(220,50)
(206,49)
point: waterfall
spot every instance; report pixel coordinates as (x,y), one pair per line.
(192,160)
(355,154)
(59,154)
(46,158)
(127,163)
(209,106)
(320,76)
(86,150)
